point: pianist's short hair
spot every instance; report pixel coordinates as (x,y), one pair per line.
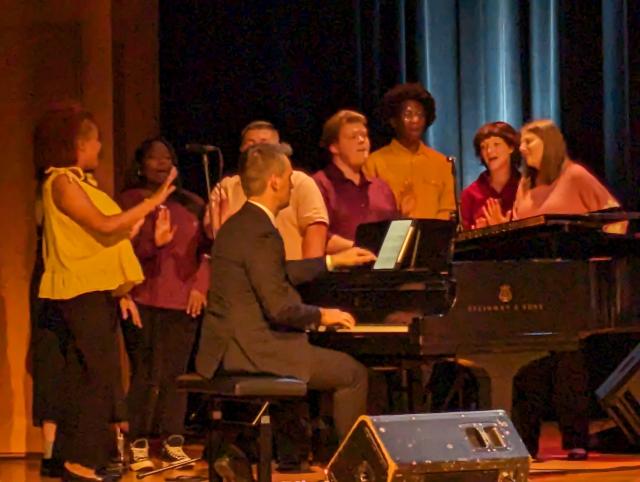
(258,163)
(391,106)
(504,131)
(331,128)
(554,153)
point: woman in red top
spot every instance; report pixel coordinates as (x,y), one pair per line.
(496,144)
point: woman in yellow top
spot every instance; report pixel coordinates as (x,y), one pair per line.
(88,260)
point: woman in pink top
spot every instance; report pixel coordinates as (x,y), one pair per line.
(552,183)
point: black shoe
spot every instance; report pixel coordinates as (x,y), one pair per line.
(324,440)
(234,466)
(68,476)
(293,468)
(114,469)
(51,468)
(578,454)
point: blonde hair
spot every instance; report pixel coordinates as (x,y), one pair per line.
(331,128)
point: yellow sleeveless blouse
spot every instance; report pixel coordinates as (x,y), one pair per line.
(77,262)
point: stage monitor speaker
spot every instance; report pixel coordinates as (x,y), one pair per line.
(620,395)
(444,447)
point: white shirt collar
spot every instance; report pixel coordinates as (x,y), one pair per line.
(266,210)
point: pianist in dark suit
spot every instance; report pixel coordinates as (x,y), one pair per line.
(552,183)
(256,320)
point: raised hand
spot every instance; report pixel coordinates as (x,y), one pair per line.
(165,189)
(164,232)
(336,318)
(218,208)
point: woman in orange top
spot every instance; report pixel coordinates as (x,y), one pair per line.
(88,259)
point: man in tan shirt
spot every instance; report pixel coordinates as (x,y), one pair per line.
(303,224)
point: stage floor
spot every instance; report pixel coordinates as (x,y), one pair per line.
(553,468)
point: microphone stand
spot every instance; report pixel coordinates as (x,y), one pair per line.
(456,192)
(205,166)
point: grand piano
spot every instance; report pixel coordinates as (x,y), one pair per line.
(507,295)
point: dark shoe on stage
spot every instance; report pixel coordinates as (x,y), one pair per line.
(293,468)
(234,466)
(578,454)
(68,476)
(114,469)
(51,468)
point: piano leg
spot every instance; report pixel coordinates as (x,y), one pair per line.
(501,369)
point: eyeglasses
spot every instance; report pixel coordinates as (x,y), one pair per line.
(410,115)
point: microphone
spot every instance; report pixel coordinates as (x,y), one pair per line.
(201,148)
(456,192)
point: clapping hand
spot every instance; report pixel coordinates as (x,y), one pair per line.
(481,222)
(492,212)
(408,199)
(164,232)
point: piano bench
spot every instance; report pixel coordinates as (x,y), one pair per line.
(242,387)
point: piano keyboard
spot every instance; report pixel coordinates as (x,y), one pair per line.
(365,329)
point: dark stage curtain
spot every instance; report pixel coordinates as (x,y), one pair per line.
(225,63)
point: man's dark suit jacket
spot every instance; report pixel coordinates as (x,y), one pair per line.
(255,319)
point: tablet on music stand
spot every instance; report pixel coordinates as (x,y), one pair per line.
(395,244)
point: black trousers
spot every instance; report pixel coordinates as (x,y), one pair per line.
(159,353)
(331,371)
(556,383)
(47,359)
(90,390)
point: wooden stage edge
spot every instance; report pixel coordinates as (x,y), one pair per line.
(554,467)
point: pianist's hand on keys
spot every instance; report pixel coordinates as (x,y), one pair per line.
(332,317)
(352,257)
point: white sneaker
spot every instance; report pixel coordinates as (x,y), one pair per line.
(140,461)
(173,453)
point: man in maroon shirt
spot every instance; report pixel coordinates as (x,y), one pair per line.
(350,196)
